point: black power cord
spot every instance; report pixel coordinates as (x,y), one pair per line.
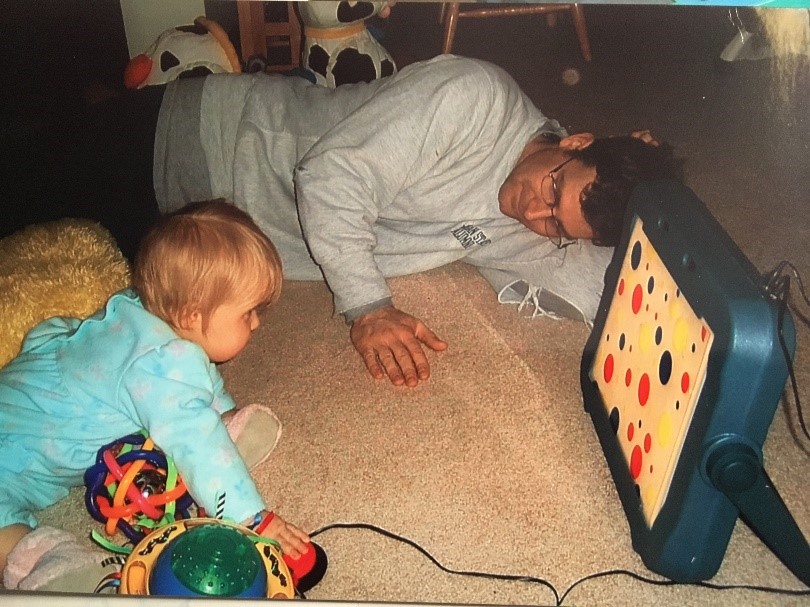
(558,598)
(777,286)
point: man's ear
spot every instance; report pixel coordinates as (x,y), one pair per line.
(579,141)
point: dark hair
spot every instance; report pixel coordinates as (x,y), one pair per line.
(621,163)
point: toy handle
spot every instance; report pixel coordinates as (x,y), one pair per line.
(308,569)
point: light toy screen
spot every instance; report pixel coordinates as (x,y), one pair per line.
(649,366)
(681,375)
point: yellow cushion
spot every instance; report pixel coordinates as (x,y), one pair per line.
(67,267)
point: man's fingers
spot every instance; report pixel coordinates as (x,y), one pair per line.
(373,364)
(391,366)
(645,135)
(412,362)
(429,338)
(401,364)
(417,360)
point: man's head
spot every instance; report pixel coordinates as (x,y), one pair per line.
(578,187)
(621,163)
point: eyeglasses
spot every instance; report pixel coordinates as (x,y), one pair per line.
(550,193)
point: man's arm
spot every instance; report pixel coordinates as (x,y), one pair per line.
(355,172)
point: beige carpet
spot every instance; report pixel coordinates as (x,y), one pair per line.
(491,466)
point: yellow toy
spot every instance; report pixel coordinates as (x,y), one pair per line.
(68,267)
(207,557)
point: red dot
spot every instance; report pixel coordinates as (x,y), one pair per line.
(621,286)
(703,333)
(631,429)
(635,462)
(647,443)
(643,389)
(608,370)
(628,377)
(685,382)
(637,294)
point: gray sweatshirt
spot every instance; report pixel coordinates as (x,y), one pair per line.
(363,182)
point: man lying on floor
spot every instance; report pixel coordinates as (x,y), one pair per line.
(446,160)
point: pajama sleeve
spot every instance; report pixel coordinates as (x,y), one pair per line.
(177,395)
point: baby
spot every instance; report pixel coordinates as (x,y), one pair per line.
(147,360)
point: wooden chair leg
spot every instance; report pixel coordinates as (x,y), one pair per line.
(582,31)
(251,29)
(295,35)
(450,22)
(442,12)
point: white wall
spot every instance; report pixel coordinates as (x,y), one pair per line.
(145,20)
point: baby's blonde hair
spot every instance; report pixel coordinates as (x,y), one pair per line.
(202,256)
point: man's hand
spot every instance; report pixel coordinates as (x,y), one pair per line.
(390,342)
(646,136)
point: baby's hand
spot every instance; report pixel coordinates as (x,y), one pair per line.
(293,541)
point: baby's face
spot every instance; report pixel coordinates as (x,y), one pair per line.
(230,328)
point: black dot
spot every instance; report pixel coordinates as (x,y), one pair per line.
(635,256)
(665,367)
(650,284)
(659,335)
(614,419)
(621,341)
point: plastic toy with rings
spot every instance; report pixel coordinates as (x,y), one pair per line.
(207,557)
(135,488)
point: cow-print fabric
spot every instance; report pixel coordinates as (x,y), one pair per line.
(358,57)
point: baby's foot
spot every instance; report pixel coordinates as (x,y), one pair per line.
(255,430)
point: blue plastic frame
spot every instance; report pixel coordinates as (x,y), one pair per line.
(745,376)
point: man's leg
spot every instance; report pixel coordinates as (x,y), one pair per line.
(567,288)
